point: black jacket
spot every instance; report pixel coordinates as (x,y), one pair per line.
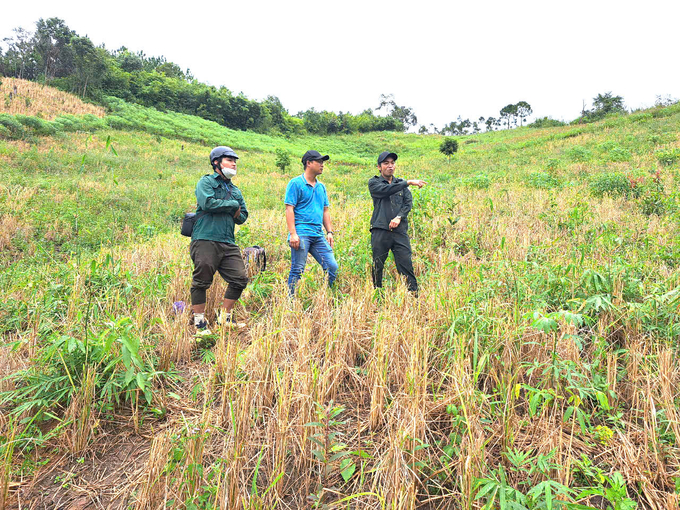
(390,200)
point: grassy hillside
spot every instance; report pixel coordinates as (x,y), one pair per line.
(23,97)
(539,364)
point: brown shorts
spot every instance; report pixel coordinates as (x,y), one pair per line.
(210,257)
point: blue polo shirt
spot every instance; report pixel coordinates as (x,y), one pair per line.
(308,202)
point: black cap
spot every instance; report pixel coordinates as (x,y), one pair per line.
(314,155)
(384,155)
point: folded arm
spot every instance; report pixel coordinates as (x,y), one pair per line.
(205,197)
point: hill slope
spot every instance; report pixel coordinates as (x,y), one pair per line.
(25,97)
(543,346)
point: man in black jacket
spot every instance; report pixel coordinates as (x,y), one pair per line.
(392,202)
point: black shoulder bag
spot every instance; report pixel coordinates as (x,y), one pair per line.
(190,218)
(189,221)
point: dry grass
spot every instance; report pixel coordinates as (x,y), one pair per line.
(29,98)
(267,383)
(428,408)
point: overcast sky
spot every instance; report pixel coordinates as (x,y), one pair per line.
(443,59)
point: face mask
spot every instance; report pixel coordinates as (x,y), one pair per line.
(229,173)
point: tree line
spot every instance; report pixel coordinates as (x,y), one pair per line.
(507,116)
(56,55)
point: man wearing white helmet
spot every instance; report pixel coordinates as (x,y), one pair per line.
(213,248)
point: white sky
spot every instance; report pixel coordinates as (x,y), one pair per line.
(442,58)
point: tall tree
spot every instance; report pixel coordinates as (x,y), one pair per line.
(508,112)
(403,114)
(608,103)
(90,63)
(523,111)
(20,54)
(53,54)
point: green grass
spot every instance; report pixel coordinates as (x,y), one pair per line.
(548,262)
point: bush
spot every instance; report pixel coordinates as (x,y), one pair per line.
(479,181)
(449,147)
(546,122)
(579,153)
(614,185)
(655,202)
(553,164)
(39,126)
(11,126)
(282,159)
(668,157)
(542,180)
(619,154)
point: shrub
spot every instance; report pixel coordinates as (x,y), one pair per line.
(660,138)
(579,153)
(39,126)
(668,157)
(282,159)
(571,134)
(479,181)
(619,154)
(553,164)
(546,122)
(614,185)
(654,199)
(11,125)
(542,180)
(655,202)
(449,147)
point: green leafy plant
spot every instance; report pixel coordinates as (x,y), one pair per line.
(668,157)
(330,452)
(613,489)
(542,180)
(282,159)
(479,181)
(614,185)
(449,147)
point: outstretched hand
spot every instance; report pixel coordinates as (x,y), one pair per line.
(416,182)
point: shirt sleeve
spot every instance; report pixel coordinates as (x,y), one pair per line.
(241,218)
(381,189)
(291,193)
(205,197)
(325,198)
(407,204)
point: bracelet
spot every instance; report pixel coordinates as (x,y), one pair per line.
(329,232)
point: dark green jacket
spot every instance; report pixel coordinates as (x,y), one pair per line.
(218,199)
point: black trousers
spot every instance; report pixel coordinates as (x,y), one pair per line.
(382,241)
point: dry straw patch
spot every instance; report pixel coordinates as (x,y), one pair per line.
(29,98)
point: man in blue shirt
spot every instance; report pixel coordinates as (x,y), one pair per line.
(306,213)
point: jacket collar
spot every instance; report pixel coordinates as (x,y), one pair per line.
(219,179)
(395,180)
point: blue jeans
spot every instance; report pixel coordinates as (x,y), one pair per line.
(320,250)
